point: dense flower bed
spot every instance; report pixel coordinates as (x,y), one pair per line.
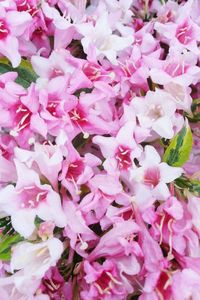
(99,150)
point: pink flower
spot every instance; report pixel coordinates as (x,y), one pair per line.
(22,116)
(59,63)
(117,241)
(119,151)
(28,199)
(77,170)
(106,280)
(53,284)
(76,230)
(186,281)
(12,27)
(184,33)
(152,177)
(46,159)
(178,68)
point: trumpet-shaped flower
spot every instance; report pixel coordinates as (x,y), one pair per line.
(30,199)
(31,261)
(152,177)
(100,38)
(12,26)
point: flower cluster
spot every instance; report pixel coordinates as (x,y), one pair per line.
(99,149)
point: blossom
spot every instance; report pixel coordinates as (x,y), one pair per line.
(31,261)
(12,27)
(156,112)
(184,32)
(152,178)
(121,150)
(53,284)
(99,187)
(194,210)
(101,38)
(28,199)
(106,280)
(179,282)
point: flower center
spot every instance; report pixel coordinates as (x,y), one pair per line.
(52,108)
(22,118)
(4,152)
(163,288)
(55,72)
(74,170)
(23,5)
(78,116)
(155,112)
(32,196)
(105,282)
(152,176)
(4,30)
(127,215)
(51,285)
(123,157)
(176,69)
(92,71)
(130,68)
(184,33)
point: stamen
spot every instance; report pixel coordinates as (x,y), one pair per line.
(84,245)
(160,227)
(170,236)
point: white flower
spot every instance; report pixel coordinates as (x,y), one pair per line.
(102,39)
(32,261)
(156,112)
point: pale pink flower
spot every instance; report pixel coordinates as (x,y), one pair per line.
(183,33)
(28,199)
(46,159)
(193,207)
(152,178)
(76,230)
(186,285)
(117,241)
(12,26)
(121,150)
(177,68)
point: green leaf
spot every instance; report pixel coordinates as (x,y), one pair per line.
(195,108)
(6,255)
(26,74)
(178,151)
(192,185)
(194,115)
(6,242)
